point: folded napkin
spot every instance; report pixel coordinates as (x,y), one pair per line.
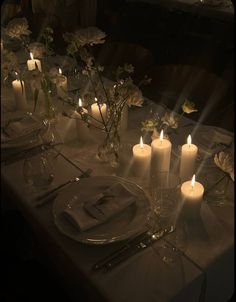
(98,209)
(19,128)
(213,140)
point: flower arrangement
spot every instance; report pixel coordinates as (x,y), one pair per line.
(168,122)
(17,28)
(121,93)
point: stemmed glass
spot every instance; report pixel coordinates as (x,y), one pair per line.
(166,206)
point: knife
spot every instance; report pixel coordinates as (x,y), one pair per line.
(100,264)
(134,246)
(143,244)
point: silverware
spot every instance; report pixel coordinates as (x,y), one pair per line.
(100,264)
(141,242)
(50,195)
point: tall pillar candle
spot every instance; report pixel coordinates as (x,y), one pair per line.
(187,161)
(19,94)
(95,111)
(83,132)
(141,159)
(161,152)
(192,194)
(34,63)
(61,84)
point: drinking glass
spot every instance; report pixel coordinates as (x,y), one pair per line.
(165,204)
(38,170)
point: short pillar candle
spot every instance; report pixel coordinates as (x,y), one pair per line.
(141,159)
(192,194)
(188,159)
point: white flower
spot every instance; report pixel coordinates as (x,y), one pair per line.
(188,107)
(224,161)
(170,119)
(156,134)
(135,97)
(38,50)
(90,35)
(149,125)
(18,27)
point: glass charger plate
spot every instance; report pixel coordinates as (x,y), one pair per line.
(121,226)
(21,140)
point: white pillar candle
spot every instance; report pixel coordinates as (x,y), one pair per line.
(192,193)
(61,84)
(83,132)
(96,112)
(161,152)
(187,161)
(19,94)
(141,159)
(33,63)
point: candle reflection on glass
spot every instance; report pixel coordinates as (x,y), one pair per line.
(19,93)
(61,84)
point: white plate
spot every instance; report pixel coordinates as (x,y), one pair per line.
(122,226)
(21,140)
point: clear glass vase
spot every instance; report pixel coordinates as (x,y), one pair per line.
(108,151)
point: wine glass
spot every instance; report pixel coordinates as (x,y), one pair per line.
(37,169)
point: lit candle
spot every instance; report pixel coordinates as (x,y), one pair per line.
(96,112)
(161,151)
(83,132)
(33,63)
(192,193)
(19,94)
(61,84)
(188,158)
(141,158)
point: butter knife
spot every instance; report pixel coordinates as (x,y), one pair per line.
(141,242)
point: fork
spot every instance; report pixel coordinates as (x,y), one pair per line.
(50,194)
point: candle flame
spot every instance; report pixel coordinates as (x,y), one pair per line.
(189,140)
(31,56)
(141,142)
(96,100)
(161,135)
(60,71)
(80,102)
(193,181)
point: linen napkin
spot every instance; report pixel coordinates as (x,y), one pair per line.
(98,209)
(213,140)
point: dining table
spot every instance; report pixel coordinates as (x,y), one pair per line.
(203,266)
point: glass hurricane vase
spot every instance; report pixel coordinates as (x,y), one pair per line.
(108,151)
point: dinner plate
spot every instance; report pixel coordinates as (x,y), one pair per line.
(121,226)
(20,140)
